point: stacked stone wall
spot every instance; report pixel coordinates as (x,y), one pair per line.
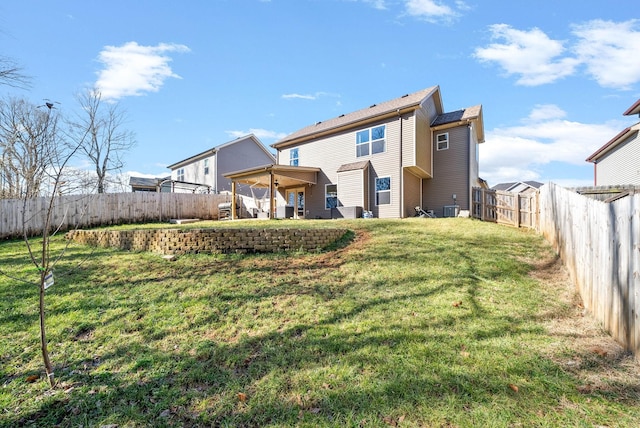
(193,241)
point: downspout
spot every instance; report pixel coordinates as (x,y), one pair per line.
(401,169)
(469,185)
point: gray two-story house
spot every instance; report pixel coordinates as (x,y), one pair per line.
(384,160)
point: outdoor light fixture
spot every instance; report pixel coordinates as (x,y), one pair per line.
(275,183)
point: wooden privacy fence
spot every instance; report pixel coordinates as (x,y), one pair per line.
(599,244)
(77,211)
(515,209)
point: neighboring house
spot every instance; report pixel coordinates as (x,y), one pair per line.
(205,171)
(385,159)
(618,161)
(525,187)
(142,184)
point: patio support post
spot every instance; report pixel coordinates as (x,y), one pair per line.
(272,196)
(233,199)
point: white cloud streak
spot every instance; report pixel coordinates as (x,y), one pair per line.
(608,51)
(262,134)
(134,70)
(519,153)
(311,97)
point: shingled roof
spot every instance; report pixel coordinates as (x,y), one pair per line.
(468,113)
(376,110)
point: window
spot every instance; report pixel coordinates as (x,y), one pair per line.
(370,141)
(180,174)
(377,139)
(442,141)
(206,167)
(293,157)
(330,196)
(383,191)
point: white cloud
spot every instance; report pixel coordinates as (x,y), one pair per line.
(133,70)
(258,132)
(431,10)
(607,50)
(610,51)
(521,152)
(530,54)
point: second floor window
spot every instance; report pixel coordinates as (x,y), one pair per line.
(293,157)
(206,166)
(370,141)
(442,141)
(180,176)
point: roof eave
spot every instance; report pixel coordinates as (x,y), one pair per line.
(347,126)
(611,144)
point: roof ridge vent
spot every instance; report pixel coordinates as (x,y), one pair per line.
(404,96)
(318,123)
(372,105)
(342,115)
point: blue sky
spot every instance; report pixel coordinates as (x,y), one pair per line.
(554,77)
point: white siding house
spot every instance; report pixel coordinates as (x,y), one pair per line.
(618,161)
(204,172)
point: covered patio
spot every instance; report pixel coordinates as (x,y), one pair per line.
(275,178)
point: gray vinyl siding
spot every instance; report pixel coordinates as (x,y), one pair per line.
(236,157)
(621,165)
(450,172)
(331,152)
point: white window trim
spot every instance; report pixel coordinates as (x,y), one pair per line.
(370,141)
(438,141)
(206,167)
(325,195)
(180,174)
(376,191)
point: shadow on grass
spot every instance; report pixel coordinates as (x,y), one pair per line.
(386,346)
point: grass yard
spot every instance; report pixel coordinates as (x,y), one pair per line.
(415,323)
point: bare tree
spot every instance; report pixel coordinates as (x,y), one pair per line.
(34,152)
(11,74)
(27,147)
(99,132)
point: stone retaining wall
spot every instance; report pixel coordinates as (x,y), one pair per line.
(191,241)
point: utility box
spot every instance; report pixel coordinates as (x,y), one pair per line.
(346,212)
(451,210)
(285,211)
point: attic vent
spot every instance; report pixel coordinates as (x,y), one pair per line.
(372,105)
(404,96)
(318,123)
(342,115)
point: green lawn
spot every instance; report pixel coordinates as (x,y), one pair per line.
(418,322)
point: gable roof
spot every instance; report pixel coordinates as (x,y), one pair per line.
(517,186)
(458,117)
(622,136)
(353,166)
(406,102)
(215,149)
(634,109)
